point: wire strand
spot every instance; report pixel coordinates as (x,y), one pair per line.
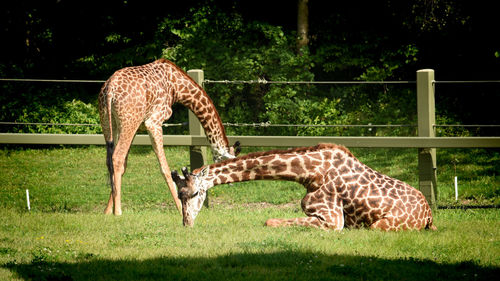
(467,82)
(263,81)
(266,124)
(76,124)
(258,81)
(51,80)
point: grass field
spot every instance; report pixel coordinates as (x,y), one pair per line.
(65,236)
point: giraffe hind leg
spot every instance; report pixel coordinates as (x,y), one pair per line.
(121,150)
(109,206)
(119,158)
(390,223)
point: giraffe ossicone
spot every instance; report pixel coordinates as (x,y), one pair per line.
(341,191)
(220,154)
(144,95)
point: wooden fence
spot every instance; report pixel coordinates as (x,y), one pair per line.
(426,142)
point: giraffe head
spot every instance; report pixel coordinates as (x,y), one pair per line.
(192,191)
(220,153)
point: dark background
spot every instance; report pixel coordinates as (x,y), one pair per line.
(459,39)
(460,45)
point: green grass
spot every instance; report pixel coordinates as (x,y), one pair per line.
(66,237)
(233,243)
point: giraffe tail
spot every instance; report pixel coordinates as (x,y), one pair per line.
(110,148)
(110,142)
(430,225)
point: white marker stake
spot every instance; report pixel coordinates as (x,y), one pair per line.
(456,188)
(28,199)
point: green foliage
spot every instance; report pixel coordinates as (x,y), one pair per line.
(72,112)
(228,48)
(228,45)
(365,57)
(437,15)
(450,131)
(65,112)
(49,103)
(127,53)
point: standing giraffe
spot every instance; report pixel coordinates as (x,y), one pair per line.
(144,95)
(341,191)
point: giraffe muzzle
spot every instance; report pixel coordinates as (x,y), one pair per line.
(187,222)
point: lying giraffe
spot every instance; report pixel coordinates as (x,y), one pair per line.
(144,95)
(341,191)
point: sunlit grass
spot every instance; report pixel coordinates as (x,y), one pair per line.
(74,179)
(235,240)
(66,236)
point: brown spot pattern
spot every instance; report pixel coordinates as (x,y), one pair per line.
(144,95)
(341,191)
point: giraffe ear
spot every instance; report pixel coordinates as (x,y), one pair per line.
(185,172)
(175,175)
(236,149)
(203,172)
(177,179)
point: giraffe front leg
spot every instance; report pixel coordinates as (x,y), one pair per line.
(324,216)
(307,221)
(323,208)
(155,134)
(290,222)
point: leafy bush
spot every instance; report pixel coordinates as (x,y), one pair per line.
(227,48)
(69,112)
(55,103)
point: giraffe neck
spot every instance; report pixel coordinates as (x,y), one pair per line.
(280,165)
(192,96)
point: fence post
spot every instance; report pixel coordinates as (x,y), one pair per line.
(197,154)
(426,121)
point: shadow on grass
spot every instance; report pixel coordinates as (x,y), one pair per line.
(283,265)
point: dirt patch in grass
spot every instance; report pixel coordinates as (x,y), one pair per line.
(220,203)
(252,205)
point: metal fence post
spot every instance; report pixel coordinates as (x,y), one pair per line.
(426,122)
(197,154)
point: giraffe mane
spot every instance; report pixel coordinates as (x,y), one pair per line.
(306,149)
(173,65)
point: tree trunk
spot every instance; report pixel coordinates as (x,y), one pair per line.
(302,25)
